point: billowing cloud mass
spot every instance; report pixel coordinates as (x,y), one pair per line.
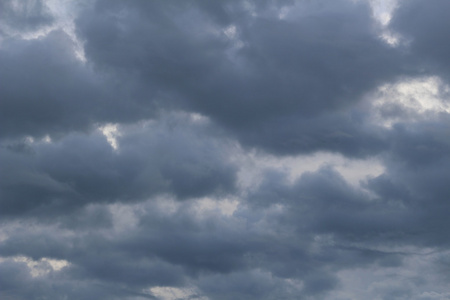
(224,149)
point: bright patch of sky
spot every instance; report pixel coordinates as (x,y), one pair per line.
(42,266)
(111,132)
(353,170)
(410,100)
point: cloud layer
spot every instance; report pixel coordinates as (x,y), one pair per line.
(224,150)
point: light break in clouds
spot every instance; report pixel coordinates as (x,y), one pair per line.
(224,149)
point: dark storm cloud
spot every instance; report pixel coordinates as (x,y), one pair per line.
(424,25)
(407,204)
(417,179)
(280,70)
(62,94)
(177,248)
(323,202)
(44,88)
(17,283)
(345,132)
(191,87)
(232,257)
(169,156)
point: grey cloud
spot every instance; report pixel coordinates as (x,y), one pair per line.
(27,15)
(196,89)
(17,283)
(283,71)
(176,248)
(248,285)
(239,251)
(81,169)
(323,202)
(344,132)
(60,93)
(424,25)
(63,94)
(407,204)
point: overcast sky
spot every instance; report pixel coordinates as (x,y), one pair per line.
(234,149)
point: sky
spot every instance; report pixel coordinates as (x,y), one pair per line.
(235,149)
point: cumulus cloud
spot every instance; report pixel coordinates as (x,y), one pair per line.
(224,150)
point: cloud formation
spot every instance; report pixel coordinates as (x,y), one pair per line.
(224,150)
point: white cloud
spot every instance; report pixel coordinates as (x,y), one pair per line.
(410,100)
(353,170)
(42,266)
(172,293)
(111,132)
